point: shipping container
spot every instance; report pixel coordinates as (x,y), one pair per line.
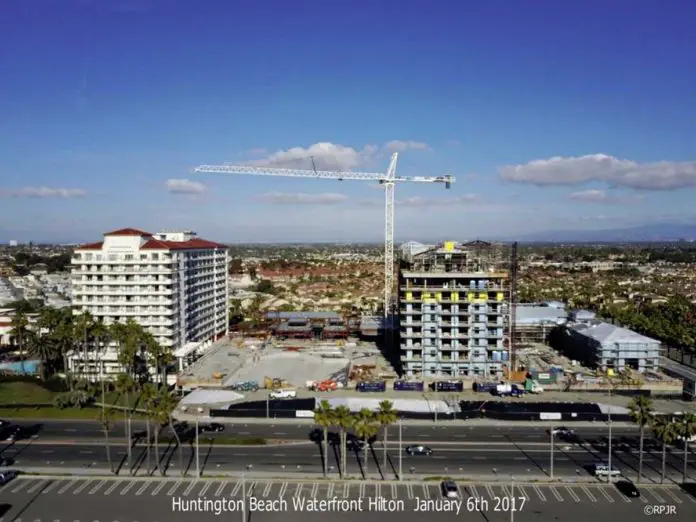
(484,387)
(449,386)
(376,386)
(408,386)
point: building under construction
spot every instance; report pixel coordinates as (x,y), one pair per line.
(454,303)
(308,325)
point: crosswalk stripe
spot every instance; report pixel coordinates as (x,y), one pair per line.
(589,494)
(409,490)
(128,487)
(142,489)
(65,488)
(315,488)
(657,496)
(236,488)
(174,487)
(97,487)
(489,490)
(539,492)
(606,495)
(251,489)
(346,490)
(556,494)
(267,489)
(220,488)
(190,487)
(395,492)
(22,484)
(298,489)
(378,490)
(283,489)
(426,493)
(475,492)
(675,497)
(51,486)
(36,486)
(81,487)
(330,490)
(506,492)
(112,487)
(573,494)
(205,489)
(523,491)
(361,490)
(158,488)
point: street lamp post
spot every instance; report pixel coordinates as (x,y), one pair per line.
(610,475)
(401,454)
(552,444)
(268,405)
(243,497)
(512,499)
(198,460)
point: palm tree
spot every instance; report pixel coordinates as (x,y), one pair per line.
(343,419)
(687,429)
(641,411)
(105,419)
(386,416)
(147,398)
(323,416)
(365,428)
(124,386)
(83,324)
(20,333)
(666,430)
(167,404)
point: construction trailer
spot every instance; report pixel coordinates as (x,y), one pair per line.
(454,306)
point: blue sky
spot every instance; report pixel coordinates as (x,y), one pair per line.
(106,107)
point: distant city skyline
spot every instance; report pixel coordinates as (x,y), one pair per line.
(547,125)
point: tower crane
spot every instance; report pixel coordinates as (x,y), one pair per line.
(388,180)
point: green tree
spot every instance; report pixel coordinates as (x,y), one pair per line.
(365,428)
(82,330)
(641,411)
(687,429)
(323,417)
(343,419)
(386,416)
(665,430)
(20,334)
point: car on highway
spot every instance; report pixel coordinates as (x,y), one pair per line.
(6,476)
(213,427)
(15,433)
(419,450)
(449,489)
(562,432)
(627,488)
(5,462)
(283,394)
(317,435)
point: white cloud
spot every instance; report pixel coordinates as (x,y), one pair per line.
(418,201)
(663,175)
(330,156)
(257,152)
(601,196)
(185,186)
(300,198)
(43,192)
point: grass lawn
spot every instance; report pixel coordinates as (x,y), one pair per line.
(24,392)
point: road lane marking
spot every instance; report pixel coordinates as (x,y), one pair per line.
(490,492)
(361,494)
(426,493)
(267,489)
(283,490)
(346,490)
(112,488)
(315,488)
(158,488)
(36,486)
(556,494)
(236,488)
(173,488)
(251,488)
(675,497)
(205,489)
(142,488)
(82,486)
(395,493)
(523,491)
(190,487)
(409,490)
(298,489)
(506,492)
(21,486)
(125,490)
(65,488)
(605,494)
(573,494)
(330,490)
(541,495)
(221,488)
(378,491)
(657,496)
(51,486)
(589,494)
(475,492)
(96,488)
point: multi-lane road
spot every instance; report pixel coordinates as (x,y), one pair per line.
(472,452)
(45,499)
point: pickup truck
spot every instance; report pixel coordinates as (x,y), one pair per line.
(283,394)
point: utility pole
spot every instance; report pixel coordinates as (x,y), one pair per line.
(401,455)
(610,476)
(552,444)
(244,502)
(198,461)
(268,405)
(512,500)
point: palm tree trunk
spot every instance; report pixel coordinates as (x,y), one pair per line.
(149,460)
(157,466)
(384,443)
(640,454)
(21,352)
(178,446)
(129,451)
(664,463)
(686,457)
(326,447)
(108,449)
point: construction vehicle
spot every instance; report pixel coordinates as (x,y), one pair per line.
(532,386)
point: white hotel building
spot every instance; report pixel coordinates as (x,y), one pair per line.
(173,283)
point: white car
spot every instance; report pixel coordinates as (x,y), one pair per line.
(6,476)
(562,432)
(283,394)
(449,489)
(601,469)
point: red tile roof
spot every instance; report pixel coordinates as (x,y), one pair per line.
(191,244)
(128,232)
(91,246)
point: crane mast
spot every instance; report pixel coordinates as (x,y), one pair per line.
(388,180)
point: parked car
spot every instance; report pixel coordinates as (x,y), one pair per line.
(213,427)
(6,476)
(419,450)
(283,394)
(627,488)
(449,489)
(601,469)
(5,462)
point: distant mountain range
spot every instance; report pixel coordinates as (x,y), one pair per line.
(647,233)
